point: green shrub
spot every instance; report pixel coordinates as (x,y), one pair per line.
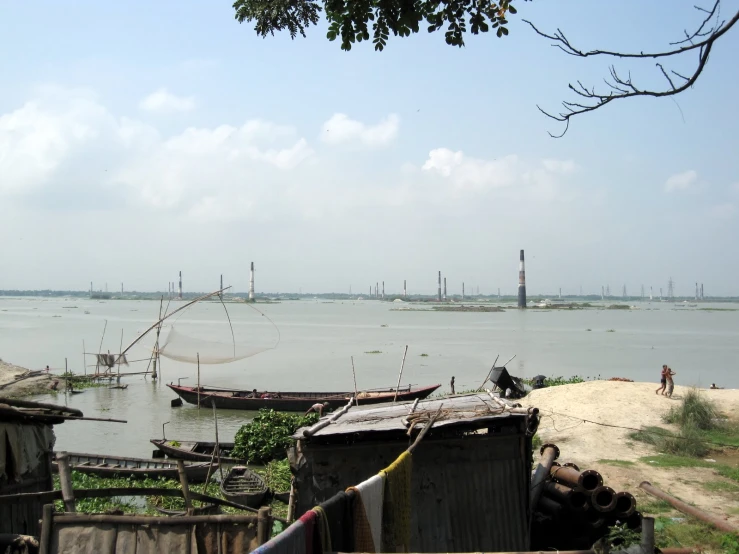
(267,436)
(694,411)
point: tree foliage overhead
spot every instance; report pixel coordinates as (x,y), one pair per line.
(358,20)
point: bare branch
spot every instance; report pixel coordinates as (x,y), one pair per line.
(619,87)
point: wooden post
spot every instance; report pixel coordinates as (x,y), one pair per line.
(356,394)
(400,375)
(489,372)
(198,381)
(291,502)
(264,524)
(97,367)
(120,356)
(185,486)
(46,524)
(156,344)
(65,478)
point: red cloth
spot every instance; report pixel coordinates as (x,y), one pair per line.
(309,520)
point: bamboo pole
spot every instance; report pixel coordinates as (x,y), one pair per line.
(217,449)
(489,372)
(185,486)
(291,502)
(119,357)
(65,478)
(400,375)
(97,366)
(356,394)
(425,430)
(326,422)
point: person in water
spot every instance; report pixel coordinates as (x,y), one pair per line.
(663,381)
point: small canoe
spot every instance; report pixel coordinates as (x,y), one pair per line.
(232,399)
(244,487)
(104,465)
(196,451)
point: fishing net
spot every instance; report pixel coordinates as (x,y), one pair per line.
(186,348)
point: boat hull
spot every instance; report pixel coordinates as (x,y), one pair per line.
(244,487)
(195,451)
(102,465)
(293,401)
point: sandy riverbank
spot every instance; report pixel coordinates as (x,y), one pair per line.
(15,382)
(591,446)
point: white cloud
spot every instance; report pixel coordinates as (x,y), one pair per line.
(681,181)
(472,173)
(340,129)
(559,166)
(165,102)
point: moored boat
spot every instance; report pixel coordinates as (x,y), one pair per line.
(104,465)
(233,399)
(243,486)
(196,451)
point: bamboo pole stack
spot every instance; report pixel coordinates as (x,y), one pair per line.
(575,509)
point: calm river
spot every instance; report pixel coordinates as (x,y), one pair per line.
(316,339)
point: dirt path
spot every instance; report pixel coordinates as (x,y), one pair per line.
(16,381)
(592,446)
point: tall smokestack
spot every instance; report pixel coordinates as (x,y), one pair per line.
(90,288)
(405,290)
(122,288)
(444,288)
(438,294)
(498,293)
(521,283)
(180,290)
(651,293)
(251,282)
(602,292)
(462,290)
(383,290)
(696,291)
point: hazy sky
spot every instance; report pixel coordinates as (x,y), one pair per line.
(142,138)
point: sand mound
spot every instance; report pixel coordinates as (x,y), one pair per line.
(563,408)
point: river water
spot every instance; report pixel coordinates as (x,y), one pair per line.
(311,343)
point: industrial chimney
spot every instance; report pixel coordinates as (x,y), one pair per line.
(251,283)
(521,283)
(180,290)
(438,294)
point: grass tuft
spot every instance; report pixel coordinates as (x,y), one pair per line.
(654,507)
(721,486)
(619,463)
(694,411)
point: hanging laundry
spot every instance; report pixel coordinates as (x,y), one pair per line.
(308,519)
(290,541)
(396,505)
(323,530)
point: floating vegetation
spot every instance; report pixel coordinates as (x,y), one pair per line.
(424,355)
(374,352)
(384,325)
(610,330)
(619,307)
(588,329)
(467,309)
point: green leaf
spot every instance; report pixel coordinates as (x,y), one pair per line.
(331,35)
(512,10)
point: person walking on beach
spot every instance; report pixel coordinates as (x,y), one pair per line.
(670,382)
(662,381)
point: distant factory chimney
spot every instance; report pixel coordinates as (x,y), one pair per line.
(498,293)
(602,292)
(180,289)
(405,290)
(521,283)
(702,297)
(462,290)
(121,289)
(696,291)
(651,293)
(438,294)
(251,283)
(91,287)
(560,293)
(444,297)
(383,290)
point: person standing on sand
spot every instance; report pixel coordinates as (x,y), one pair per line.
(670,382)
(452,384)
(662,380)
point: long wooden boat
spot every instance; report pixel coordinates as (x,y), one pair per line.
(196,451)
(292,401)
(104,465)
(243,486)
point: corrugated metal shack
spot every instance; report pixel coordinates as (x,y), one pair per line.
(471,471)
(26,445)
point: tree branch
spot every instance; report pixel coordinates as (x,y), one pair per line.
(618,87)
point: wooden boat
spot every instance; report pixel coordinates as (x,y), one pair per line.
(104,465)
(293,401)
(196,451)
(244,487)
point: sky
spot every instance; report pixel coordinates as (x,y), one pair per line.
(139,139)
